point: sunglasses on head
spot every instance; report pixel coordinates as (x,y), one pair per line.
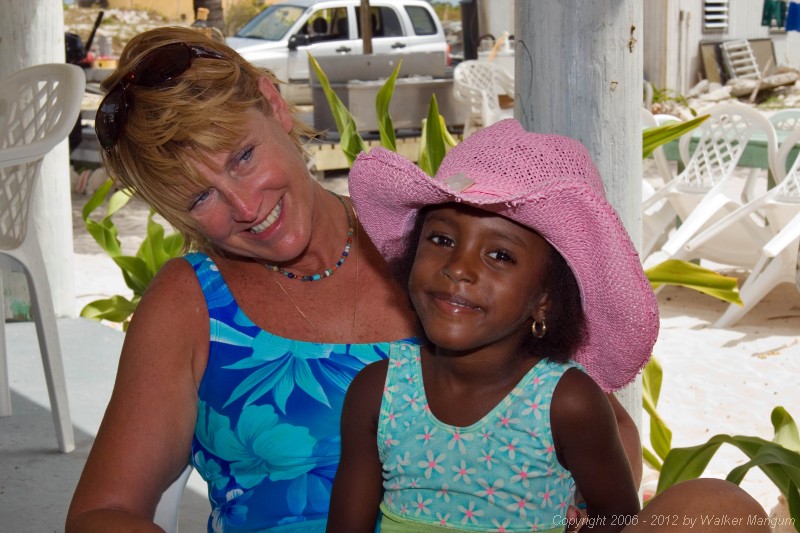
(157,67)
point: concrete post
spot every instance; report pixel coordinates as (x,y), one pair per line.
(32,33)
(579,73)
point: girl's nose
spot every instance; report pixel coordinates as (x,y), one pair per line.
(460,267)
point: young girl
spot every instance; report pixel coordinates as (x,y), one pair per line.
(523,277)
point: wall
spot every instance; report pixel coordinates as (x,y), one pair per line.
(673,32)
(172,9)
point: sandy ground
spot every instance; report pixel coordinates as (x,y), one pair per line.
(715,380)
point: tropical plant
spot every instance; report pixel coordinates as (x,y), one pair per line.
(137,270)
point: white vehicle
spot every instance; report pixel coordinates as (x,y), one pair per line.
(281,37)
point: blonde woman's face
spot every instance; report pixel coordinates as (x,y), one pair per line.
(257,201)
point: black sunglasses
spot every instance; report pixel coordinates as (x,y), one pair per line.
(156,68)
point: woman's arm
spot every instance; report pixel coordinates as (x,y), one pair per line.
(144,440)
(588,445)
(358,487)
(629,434)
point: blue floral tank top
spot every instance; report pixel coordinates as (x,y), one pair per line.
(499,474)
(267,434)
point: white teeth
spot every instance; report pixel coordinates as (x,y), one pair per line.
(271,218)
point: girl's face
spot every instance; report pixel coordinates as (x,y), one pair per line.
(257,201)
(476,279)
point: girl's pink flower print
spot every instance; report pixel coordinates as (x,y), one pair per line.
(404,510)
(522,474)
(510,447)
(443,520)
(534,407)
(470,513)
(410,379)
(562,476)
(412,401)
(444,492)
(535,525)
(422,505)
(413,484)
(432,464)
(485,435)
(392,417)
(426,435)
(505,420)
(501,528)
(546,497)
(389,441)
(520,505)
(487,458)
(463,473)
(490,492)
(458,439)
(403,461)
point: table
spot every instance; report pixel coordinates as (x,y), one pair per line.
(755,154)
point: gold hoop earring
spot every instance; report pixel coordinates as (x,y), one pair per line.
(538,329)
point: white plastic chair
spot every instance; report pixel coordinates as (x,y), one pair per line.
(659,219)
(478,84)
(38,107)
(169,506)
(707,190)
(763,235)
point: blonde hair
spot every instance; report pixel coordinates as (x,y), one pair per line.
(169,128)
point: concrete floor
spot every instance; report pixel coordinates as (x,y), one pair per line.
(36,480)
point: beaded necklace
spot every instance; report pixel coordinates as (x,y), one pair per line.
(340,262)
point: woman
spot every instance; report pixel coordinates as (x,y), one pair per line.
(239,355)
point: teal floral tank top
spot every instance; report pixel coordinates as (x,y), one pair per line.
(267,434)
(499,474)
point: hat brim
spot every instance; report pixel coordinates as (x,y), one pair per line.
(621,310)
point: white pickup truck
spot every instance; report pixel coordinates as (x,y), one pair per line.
(281,37)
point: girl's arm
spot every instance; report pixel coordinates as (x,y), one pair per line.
(358,487)
(588,444)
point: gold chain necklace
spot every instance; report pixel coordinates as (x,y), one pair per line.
(352,229)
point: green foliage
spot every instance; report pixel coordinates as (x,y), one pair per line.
(435,139)
(685,274)
(137,271)
(668,95)
(779,459)
(660,434)
(652,138)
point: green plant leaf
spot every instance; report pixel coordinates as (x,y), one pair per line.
(97,199)
(114,309)
(786,433)
(660,434)
(652,138)
(382,101)
(651,459)
(682,464)
(117,201)
(778,463)
(793,501)
(135,272)
(351,142)
(683,273)
(433,144)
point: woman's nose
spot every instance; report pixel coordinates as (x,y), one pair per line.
(244,204)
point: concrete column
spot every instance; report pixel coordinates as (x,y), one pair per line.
(579,73)
(32,33)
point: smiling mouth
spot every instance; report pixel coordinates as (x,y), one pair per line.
(270,220)
(455,301)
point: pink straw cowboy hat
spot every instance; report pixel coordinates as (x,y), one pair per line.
(545,182)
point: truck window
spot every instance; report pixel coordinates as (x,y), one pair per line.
(421,20)
(385,22)
(272,23)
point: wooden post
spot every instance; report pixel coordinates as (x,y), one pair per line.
(366,27)
(579,73)
(32,33)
